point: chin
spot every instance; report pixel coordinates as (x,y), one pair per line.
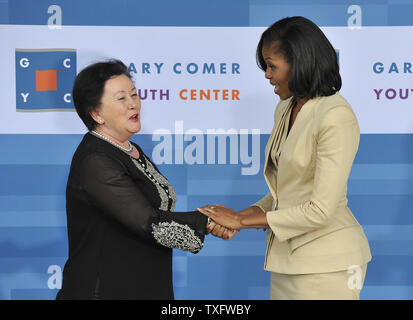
(285,96)
(136,129)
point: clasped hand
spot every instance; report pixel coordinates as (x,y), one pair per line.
(225,221)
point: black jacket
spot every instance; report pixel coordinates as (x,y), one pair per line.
(112,209)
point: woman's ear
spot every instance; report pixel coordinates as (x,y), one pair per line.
(96,116)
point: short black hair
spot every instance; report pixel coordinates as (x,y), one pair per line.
(89,85)
(313,60)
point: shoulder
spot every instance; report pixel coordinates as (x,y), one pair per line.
(334,107)
(328,103)
(94,153)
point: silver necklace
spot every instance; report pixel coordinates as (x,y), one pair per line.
(112,142)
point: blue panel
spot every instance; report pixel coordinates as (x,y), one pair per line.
(332,13)
(401,15)
(33,219)
(208,172)
(4,12)
(385,148)
(214,284)
(33,235)
(322,15)
(32,203)
(33,179)
(29,265)
(203,13)
(134,13)
(383,234)
(234,201)
(374,148)
(319,2)
(391,248)
(235,187)
(176,175)
(375,15)
(33,242)
(235,248)
(33,294)
(382,209)
(390,270)
(380,187)
(41,148)
(387,293)
(382,171)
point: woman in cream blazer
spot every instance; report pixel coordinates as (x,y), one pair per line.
(316,249)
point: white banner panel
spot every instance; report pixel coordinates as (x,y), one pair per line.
(206,77)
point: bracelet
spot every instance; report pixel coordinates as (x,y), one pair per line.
(208,222)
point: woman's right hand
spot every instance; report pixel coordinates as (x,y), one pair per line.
(222,215)
(220,231)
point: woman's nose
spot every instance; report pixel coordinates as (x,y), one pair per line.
(133,102)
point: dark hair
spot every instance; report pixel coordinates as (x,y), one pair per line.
(89,85)
(313,60)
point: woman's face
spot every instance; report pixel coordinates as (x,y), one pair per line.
(119,113)
(277,71)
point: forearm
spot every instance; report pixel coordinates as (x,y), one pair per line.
(253,210)
(253,217)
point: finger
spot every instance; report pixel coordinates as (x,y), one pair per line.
(221,232)
(217,232)
(204,211)
(215,229)
(208,212)
(211,227)
(226,235)
(232,234)
(205,207)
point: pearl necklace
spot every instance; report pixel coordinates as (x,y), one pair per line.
(112,142)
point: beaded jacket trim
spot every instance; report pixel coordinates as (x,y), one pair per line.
(178,236)
(159,181)
(169,234)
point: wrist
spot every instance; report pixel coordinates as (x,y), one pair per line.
(256,220)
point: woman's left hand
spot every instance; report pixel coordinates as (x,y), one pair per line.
(222,215)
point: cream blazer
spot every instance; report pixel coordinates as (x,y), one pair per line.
(312,230)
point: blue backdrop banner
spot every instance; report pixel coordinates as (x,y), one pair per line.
(207,112)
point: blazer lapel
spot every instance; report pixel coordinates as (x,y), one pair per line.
(279,139)
(300,121)
(274,144)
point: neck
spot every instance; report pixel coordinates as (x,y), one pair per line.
(298,104)
(120,141)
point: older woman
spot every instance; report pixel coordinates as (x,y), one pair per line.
(316,249)
(120,222)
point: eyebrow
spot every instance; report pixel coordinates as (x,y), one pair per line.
(123,91)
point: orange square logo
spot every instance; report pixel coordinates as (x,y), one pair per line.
(46,80)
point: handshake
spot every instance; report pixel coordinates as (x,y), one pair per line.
(223,221)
